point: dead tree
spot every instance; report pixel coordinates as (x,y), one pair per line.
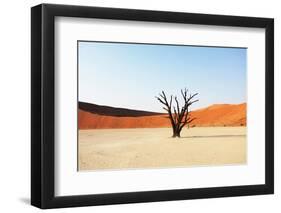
(179,116)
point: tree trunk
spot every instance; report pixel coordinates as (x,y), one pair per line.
(176,132)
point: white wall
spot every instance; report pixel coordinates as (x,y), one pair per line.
(15,105)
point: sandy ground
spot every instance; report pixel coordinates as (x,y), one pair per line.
(154,148)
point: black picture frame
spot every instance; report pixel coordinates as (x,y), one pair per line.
(43,117)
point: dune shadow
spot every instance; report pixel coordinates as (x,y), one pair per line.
(213,136)
(115,111)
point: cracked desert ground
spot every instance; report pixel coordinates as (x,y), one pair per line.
(142,148)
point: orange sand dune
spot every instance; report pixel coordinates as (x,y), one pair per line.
(221,115)
(91,116)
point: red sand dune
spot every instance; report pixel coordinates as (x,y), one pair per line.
(92,116)
(221,115)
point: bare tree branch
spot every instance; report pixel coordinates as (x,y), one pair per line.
(179,116)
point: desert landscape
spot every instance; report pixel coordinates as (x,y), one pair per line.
(146,105)
(118,138)
(93,116)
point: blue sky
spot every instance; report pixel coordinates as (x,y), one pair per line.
(131,75)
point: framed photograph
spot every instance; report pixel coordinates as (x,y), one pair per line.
(136,106)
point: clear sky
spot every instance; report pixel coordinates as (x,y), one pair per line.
(131,75)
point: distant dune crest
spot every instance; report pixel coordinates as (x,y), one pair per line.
(93,116)
(114,111)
